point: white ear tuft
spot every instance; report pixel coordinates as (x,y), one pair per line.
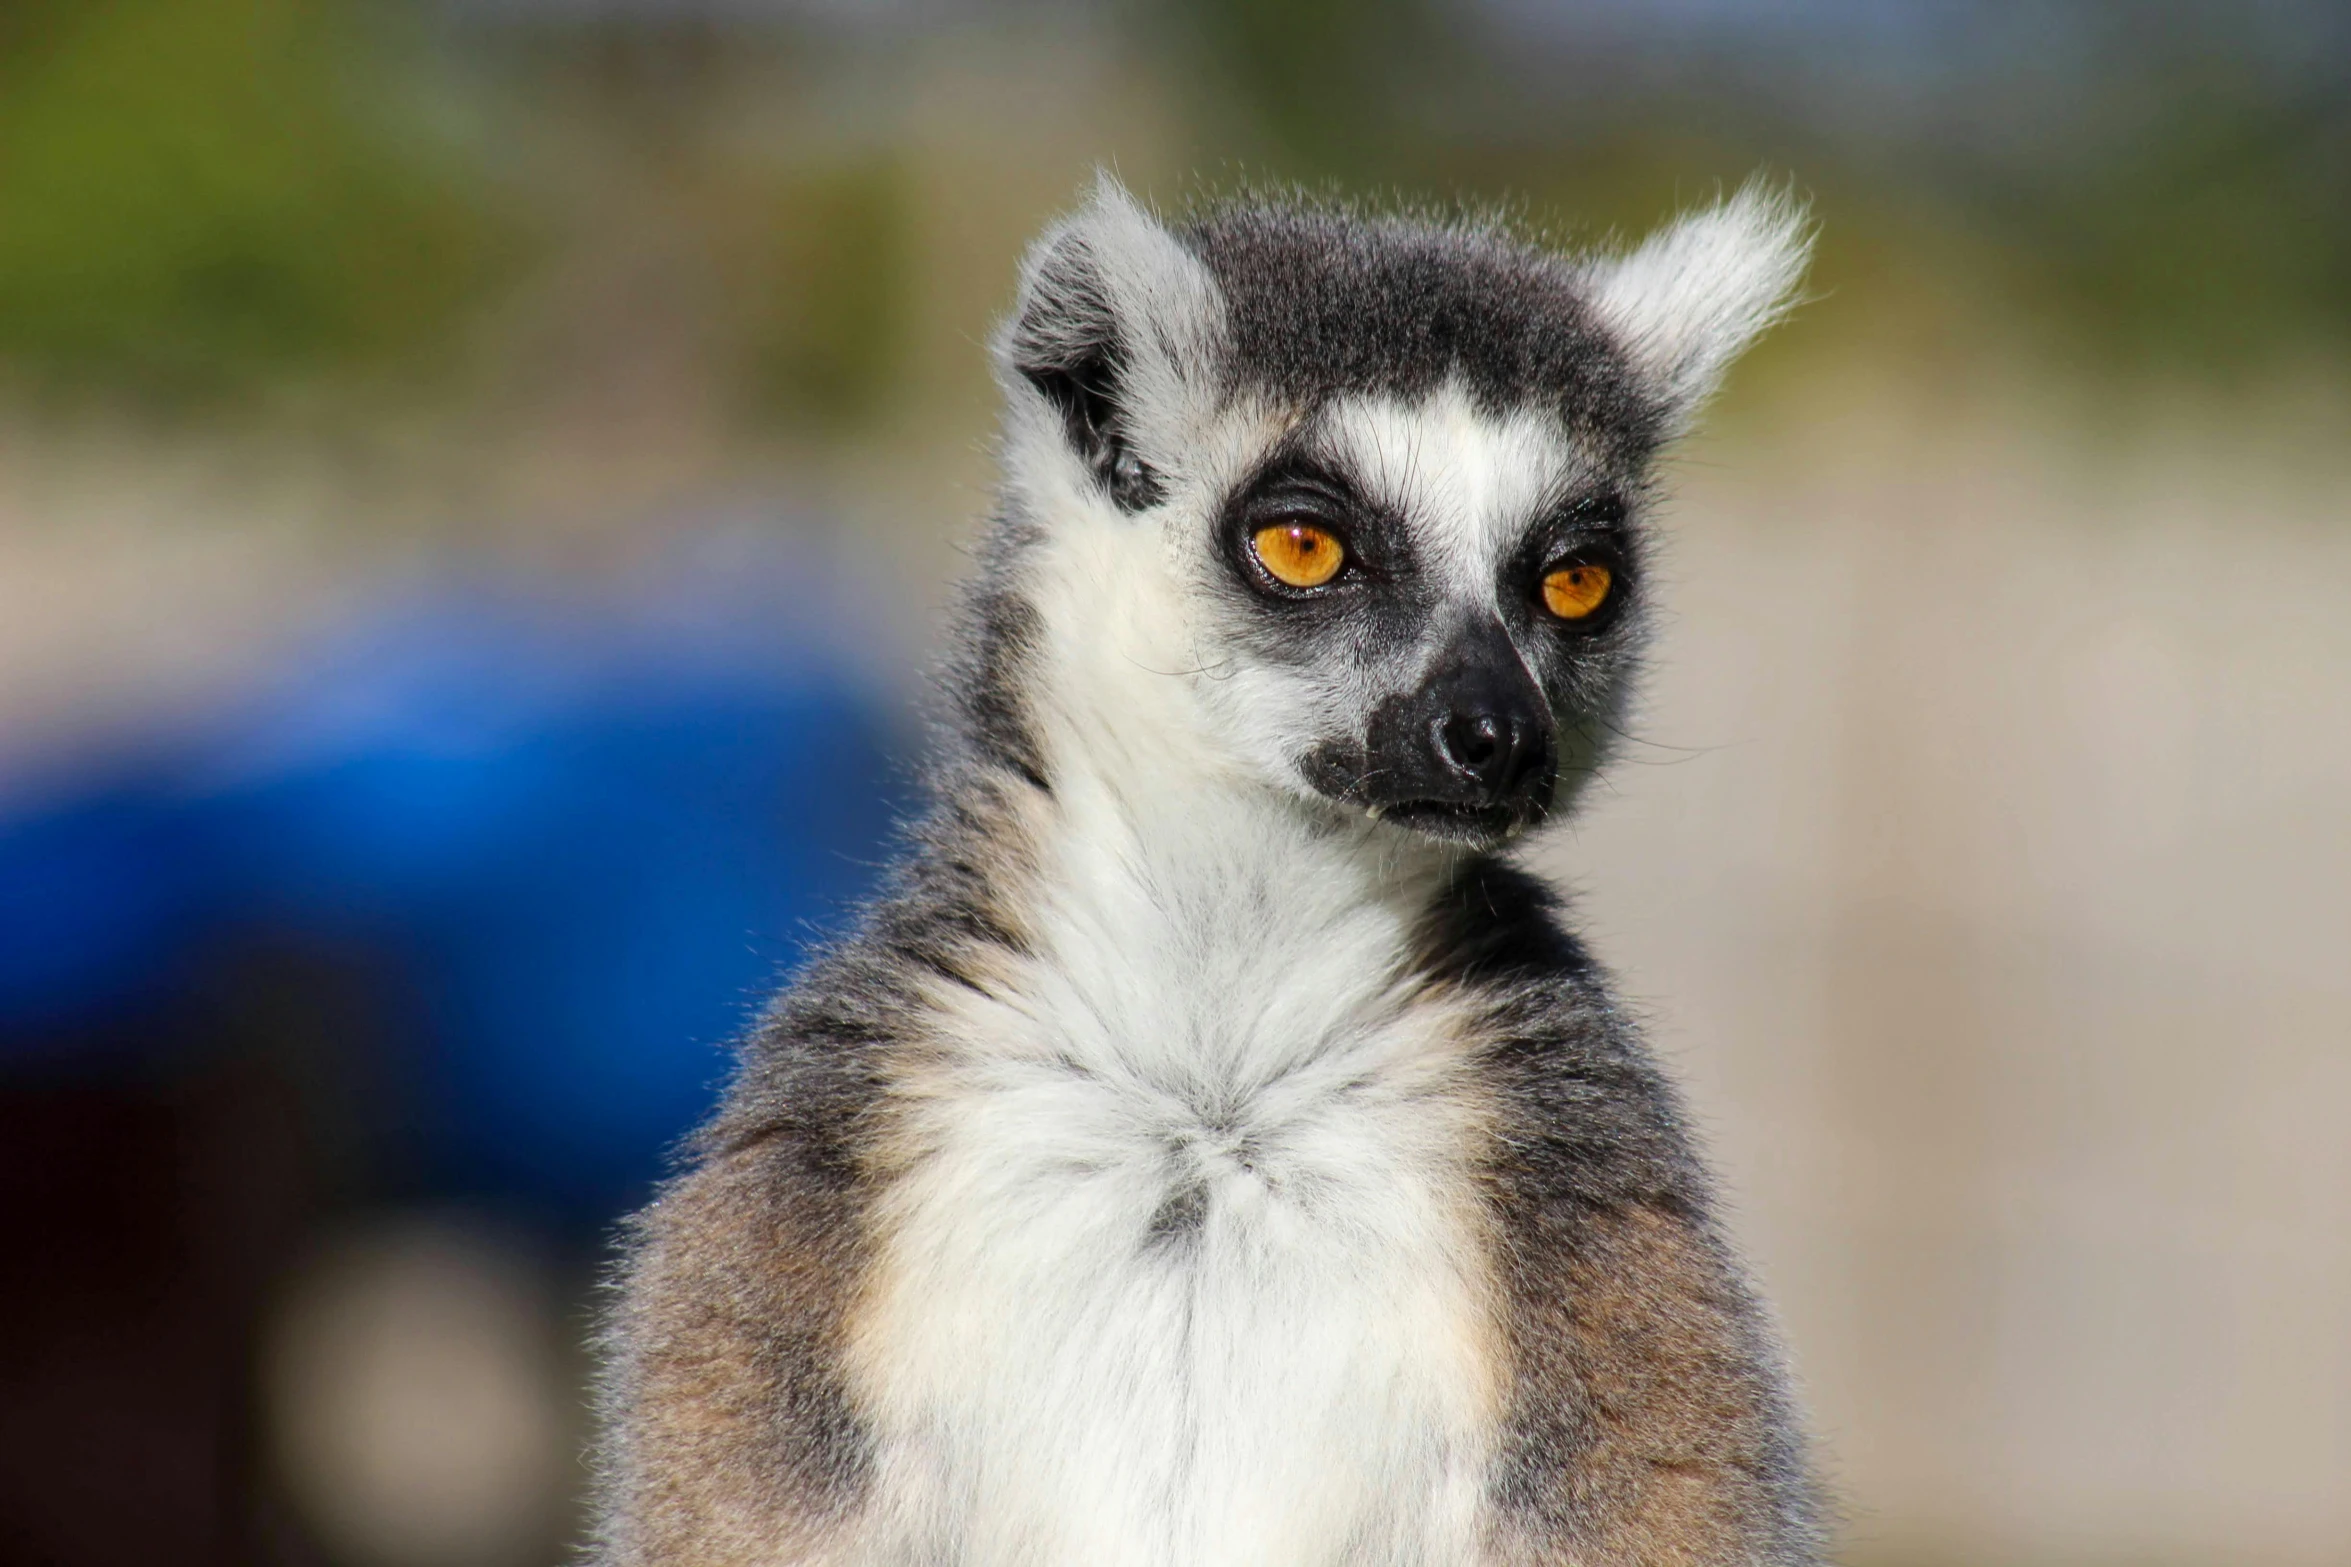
(1109,276)
(1116,322)
(1695,294)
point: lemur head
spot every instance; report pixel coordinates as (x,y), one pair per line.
(1349,507)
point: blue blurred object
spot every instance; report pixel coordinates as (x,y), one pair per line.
(587,840)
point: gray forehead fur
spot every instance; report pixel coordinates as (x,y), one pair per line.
(1323,302)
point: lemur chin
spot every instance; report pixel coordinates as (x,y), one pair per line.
(1209,1148)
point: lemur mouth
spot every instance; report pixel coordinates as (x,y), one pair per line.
(1479,825)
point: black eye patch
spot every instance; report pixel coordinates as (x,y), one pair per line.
(1589,529)
(1376,606)
(1606,509)
(1301,489)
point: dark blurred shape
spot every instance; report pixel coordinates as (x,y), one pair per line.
(154,1214)
(467,909)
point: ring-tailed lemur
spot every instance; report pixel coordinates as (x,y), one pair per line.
(1210,1149)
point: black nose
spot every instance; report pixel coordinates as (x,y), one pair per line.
(1468,753)
(1493,752)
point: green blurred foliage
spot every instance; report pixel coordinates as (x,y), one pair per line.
(824,272)
(1330,88)
(202,196)
(2177,202)
(197,196)
(2217,234)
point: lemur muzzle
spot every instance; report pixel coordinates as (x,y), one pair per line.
(1473,747)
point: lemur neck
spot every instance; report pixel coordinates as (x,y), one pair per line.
(1214,933)
(1200,844)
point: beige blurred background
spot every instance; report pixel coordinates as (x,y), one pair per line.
(1983,858)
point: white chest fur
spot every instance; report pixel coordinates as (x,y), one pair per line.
(1184,1266)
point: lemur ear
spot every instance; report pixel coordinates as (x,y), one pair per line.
(1696,293)
(1112,309)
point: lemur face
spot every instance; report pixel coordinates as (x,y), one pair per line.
(1429,607)
(1395,474)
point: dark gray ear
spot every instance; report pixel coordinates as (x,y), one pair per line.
(1697,292)
(1117,323)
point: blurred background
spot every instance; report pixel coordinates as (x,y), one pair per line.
(478,482)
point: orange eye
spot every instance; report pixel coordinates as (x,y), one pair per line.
(1298,553)
(1574,592)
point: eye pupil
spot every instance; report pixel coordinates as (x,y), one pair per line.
(1574,592)
(1298,553)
